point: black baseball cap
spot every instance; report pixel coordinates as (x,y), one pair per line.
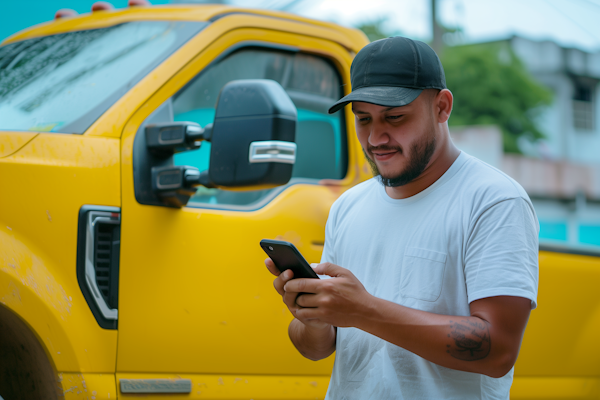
(393,72)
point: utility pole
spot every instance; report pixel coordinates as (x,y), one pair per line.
(437,44)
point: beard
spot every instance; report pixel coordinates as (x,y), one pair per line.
(420,155)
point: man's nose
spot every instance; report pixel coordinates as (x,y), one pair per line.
(378,135)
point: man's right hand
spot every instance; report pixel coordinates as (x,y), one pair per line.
(314,339)
(289,298)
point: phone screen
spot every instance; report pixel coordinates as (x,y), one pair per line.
(286,256)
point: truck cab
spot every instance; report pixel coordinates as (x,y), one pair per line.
(124,291)
(118,278)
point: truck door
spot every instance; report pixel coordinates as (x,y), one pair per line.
(197,306)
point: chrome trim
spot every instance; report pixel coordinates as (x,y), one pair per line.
(156,385)
(193,129)
(93,218)
(272,151)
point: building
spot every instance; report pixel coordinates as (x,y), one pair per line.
(562,172)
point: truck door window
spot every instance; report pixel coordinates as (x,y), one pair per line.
(64,82)
(312,83)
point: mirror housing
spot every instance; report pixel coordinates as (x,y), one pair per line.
(252,135)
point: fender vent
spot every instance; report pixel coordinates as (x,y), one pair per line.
(106,262)
(98,248)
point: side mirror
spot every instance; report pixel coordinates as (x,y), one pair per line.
(253,135)
(252,145)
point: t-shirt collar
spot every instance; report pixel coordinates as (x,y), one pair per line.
(447,176)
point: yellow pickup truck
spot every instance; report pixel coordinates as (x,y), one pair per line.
(144,153)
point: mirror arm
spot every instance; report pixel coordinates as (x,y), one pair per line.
(175,184)
(193,177)
(166,139)
(195,134)
(205,181)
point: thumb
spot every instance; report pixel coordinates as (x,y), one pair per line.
(330,269)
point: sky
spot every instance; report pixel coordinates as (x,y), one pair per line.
(571,23)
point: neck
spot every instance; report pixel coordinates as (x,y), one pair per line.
(443,157)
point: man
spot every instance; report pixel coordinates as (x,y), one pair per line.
(434,260)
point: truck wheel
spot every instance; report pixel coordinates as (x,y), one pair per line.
(25,371)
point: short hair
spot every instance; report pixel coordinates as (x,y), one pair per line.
(432,93)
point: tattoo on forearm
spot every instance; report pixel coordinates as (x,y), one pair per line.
(471,339)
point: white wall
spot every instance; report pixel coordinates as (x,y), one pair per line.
(552,65)
(483,142)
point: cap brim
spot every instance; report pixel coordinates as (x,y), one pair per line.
(387,96)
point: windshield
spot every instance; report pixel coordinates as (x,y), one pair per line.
(63,83)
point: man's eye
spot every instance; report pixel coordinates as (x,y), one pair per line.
(365,119)
(395,116)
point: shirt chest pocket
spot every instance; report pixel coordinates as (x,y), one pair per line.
(422,274)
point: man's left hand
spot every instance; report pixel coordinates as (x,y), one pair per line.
(338,301)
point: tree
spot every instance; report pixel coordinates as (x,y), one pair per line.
(375,29)
(491,86)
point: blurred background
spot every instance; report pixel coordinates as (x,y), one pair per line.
(524,75)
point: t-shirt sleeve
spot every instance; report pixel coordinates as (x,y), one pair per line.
(502,252)
(328,253)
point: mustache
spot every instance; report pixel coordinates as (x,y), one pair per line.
(375,149)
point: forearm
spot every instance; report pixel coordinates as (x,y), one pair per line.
(313,343)
(465,343)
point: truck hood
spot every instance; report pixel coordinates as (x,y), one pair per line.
(11,142)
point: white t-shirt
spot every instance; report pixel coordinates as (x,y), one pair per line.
(472,234)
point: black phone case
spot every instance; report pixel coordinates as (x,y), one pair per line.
(286,256)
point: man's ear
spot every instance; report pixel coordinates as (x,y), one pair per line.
(443,101)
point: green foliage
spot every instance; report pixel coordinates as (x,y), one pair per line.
(491,86)
(375,29)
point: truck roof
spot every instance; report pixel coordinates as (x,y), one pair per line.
(187,12)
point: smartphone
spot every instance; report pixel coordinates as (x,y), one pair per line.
(286,256)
